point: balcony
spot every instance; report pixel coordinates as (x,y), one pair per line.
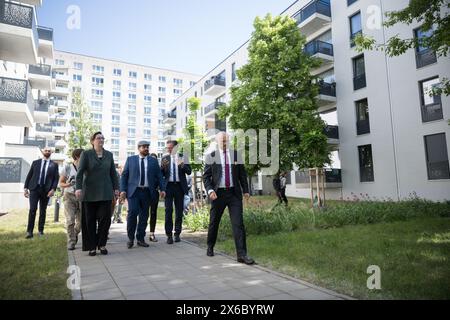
(51,143)
(362,127)
(359,82)
(16,103)
(327,96)
(18,33)
(432,112)
(60,104)
(333,178)
(41,111)
(33,2)
(36,142)
(169,134)
(213,108)
(44,128)
(320,50)
(425,58)
(313,17)
(40,76)
(170,118)
(332,133)
(215,86)
(61,77)
(45,36)
(60,91)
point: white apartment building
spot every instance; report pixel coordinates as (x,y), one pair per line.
(127,101)
(26,53)
(391,139)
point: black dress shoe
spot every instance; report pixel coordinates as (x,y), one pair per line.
(177,238)
(130,244)
(210,252)
(152,238)
(104,251)
(143,244)
(246,260)
(169,240)
(92,253)
(29,236)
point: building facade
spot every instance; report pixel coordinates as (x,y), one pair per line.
(390,137)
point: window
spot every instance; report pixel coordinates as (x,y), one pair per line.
(116,95)
(115,108)
(131,143)
(131,120)
(115,119)
(76,89)
(177,92)
(147,88)
(162,79)
(98,69)
(349,2)
(148,77)
(115,131)
(132,97)
(59,62)
(96,105)
(162,91)
(437,156)
(162,101)
(366,173)
(233,71)
(177,82)
(115,143)
(359,73)
(132,86)
(117,84)
(191,83)
(147,133)
(147,99)
(96,117)
(355,27)
(77,77)
(362,117)
(97,94)
(431,105)
(147,111)
(424,55)
(117,72)
(98,82)
(131,132)
(131,109)
(78,66)
(147,122)
(132,74)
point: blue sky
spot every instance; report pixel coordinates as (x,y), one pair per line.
(184,35)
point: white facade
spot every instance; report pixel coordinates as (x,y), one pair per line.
(401,165)
(127,101)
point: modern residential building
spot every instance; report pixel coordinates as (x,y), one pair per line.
(392,137)
(127,101)
(26,54)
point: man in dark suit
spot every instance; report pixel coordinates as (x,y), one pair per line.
(40,186)
(175,167)
(225,179)
(138,183)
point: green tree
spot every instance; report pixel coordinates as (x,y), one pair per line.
(82,126)
(433,15)
(276,90)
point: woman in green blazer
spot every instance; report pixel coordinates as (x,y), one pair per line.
(96,185)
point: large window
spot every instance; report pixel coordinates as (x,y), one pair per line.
(366,172)
(355,27)
(437,156)
(424,55)
(362,117)
(431,105)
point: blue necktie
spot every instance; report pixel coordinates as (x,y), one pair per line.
(42,182)
(174,168)
(142,172)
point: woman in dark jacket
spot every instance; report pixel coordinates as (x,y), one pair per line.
(96,185)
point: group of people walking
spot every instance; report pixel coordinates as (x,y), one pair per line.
(92,186)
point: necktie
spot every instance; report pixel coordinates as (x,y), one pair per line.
(142,172)
(42,181)
(227,170)
(174,170)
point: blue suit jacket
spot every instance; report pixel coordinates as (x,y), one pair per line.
(130,178)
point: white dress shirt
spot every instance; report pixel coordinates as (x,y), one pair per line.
(222,160)
(174,159)
(145,166)
(43,170)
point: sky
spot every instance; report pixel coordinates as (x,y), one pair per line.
(184,35)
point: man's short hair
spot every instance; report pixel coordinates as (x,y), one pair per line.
(174,142)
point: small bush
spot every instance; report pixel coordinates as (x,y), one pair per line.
(197,221)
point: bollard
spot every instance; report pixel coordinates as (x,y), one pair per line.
(56,219)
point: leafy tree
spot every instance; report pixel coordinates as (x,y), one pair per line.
(82,126)
(433,15)
(276,90)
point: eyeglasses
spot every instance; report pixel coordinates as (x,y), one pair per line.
(100,138)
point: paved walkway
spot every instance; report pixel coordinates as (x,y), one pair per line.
(180,272)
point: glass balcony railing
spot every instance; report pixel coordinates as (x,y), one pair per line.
(317,46)
(332,132)
(215,81)
(45,33)
(41,69)
(317,6)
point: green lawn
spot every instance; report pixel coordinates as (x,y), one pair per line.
(32,269)
(414,257)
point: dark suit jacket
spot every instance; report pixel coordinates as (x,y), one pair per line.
(213,173)
(51,180)
(131,176)
(183,170)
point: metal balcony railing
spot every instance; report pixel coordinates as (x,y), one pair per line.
(213,106)
(45,33)
(37,142)
(215,81)
(332,132)
(432,112)
(318,46)
(317,6)
(13,170)
(327,89)
(42,69)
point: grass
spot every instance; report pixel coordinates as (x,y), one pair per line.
(32,269)
(414,257)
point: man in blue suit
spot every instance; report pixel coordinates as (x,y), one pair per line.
(139,177)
